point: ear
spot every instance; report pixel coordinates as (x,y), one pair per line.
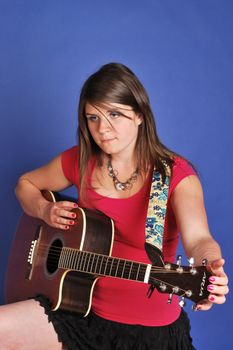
(139,119)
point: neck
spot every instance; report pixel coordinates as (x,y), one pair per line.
(124,160)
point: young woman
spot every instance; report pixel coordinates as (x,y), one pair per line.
(112,167)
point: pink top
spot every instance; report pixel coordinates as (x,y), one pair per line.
(122,300)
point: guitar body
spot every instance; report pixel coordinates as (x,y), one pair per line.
(33,264)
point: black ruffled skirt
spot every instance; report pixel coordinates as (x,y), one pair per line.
(96,333)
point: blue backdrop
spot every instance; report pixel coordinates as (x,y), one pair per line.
(181,50)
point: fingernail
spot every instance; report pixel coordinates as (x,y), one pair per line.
(211,298)
(73,215)
(75,205)
(71,222)
(211,279)
(210,288)
(67,227)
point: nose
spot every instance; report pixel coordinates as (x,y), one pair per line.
(104,125)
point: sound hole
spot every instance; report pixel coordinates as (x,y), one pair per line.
(54,255)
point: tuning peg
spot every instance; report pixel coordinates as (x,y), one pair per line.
(178,260)
(169,300)
(191,264)
(191,261)
(182,302)
(204,262)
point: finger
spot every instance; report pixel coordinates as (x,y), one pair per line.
(64,222)
(59,226)
(204,305)
(67,205)
(216,266)
(220,290)
(217,299)
(216,280)
(217,263)
(64,213)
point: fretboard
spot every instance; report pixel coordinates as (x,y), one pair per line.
(102,265)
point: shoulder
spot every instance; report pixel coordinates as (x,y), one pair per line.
(69,157)
(181,169)
(69,162)
(70,153)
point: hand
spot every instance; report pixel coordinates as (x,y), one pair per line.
(58,214)
(218,286)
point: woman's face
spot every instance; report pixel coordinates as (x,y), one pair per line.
(113,126)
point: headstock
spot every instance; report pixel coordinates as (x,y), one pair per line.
(186,281)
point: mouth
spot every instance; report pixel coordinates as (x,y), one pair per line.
(107,140)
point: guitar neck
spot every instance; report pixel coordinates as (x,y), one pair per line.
(103,265)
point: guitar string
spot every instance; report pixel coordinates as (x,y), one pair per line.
(56,252)
(115,263)
(131,269)
(116,260)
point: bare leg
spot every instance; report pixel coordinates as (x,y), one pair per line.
(25,326)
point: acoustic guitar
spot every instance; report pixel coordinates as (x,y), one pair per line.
(65,265)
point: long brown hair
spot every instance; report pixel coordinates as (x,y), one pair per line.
(116,83)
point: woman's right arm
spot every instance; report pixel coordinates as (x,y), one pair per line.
(48,177)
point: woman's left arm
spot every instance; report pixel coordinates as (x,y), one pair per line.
(188,206)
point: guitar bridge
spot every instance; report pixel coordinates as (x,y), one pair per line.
(32,254)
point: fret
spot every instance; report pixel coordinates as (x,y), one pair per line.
(110,270)
(139,265)
(84,261)
(101,264)
(65,258)
(106,266)
(72,255)
(89,258)
(78,260)
(81,261)
(60,262)
(92,254)
(123,269)
(133,272)
(130,269)
(142,273)
(68,258)
(117,266)
(75,259)
(96,263)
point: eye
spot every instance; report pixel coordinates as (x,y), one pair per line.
(114,114)
(92,117)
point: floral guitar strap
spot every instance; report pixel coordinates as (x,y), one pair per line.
(157,209)
(156,214)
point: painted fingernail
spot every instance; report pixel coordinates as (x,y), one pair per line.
(71,222)
(211,279)
(67,227)
(73,215)
(210,288)
(211,298)
(75,205)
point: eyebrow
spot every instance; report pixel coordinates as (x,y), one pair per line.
(114,109)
